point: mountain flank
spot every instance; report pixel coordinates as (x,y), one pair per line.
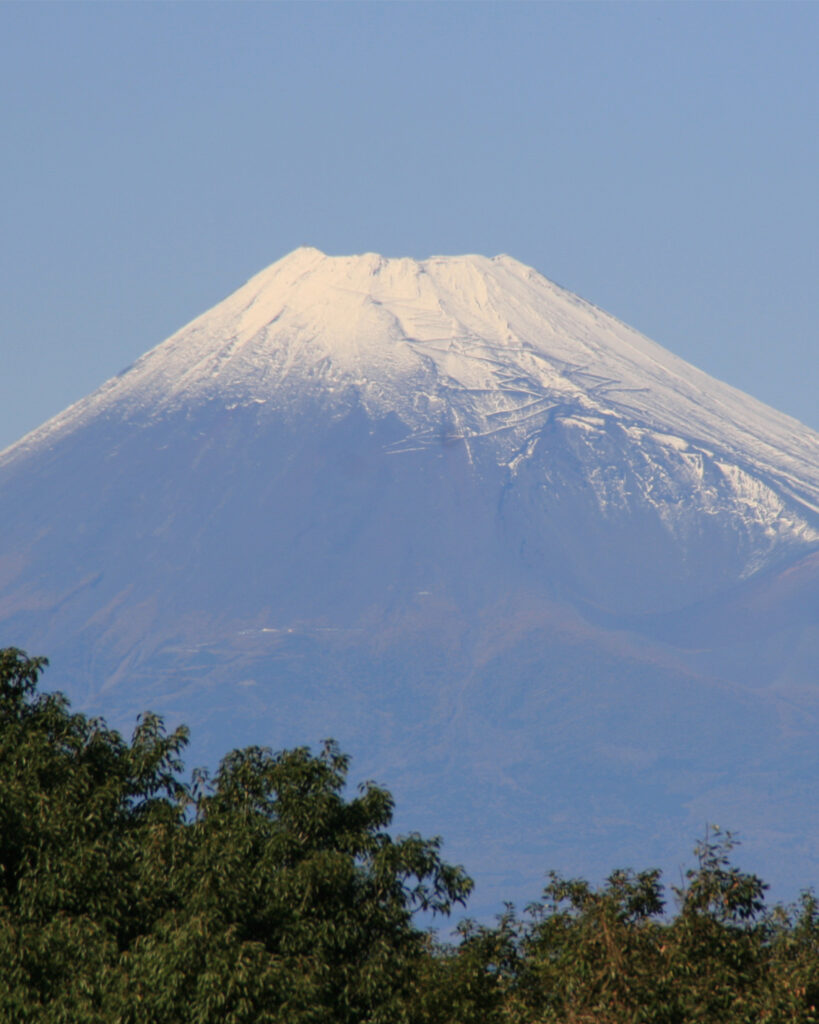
(554,586)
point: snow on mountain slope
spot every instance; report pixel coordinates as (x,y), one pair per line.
(489,354)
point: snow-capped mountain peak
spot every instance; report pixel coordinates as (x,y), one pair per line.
(486,352)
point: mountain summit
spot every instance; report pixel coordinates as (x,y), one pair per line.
(430,508)
(484,348)
(559,408)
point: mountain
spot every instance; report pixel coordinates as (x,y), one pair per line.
(553,585)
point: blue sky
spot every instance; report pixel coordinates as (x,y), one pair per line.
(660,159)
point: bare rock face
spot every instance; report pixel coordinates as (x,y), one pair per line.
(556,587)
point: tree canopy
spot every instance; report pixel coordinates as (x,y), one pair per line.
(265,894)
(260,894)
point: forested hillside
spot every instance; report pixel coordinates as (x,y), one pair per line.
(265,893)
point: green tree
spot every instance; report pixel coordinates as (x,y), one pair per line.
(473,981)
(76,807)
(610,955)
(262,894)
(590,955)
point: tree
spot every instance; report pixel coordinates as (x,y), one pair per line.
(76,807)
(610,955)
(591,955)
(262,894)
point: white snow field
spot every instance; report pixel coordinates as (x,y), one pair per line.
(487,351)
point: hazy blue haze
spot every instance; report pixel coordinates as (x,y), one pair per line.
(659,159)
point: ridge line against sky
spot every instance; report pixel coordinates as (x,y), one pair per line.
(658,159)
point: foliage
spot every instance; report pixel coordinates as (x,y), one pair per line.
(611,955)
(260,895)
(264,895)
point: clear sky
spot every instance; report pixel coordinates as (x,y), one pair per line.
(659,159)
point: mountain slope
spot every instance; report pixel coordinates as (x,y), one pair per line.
(480,531)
